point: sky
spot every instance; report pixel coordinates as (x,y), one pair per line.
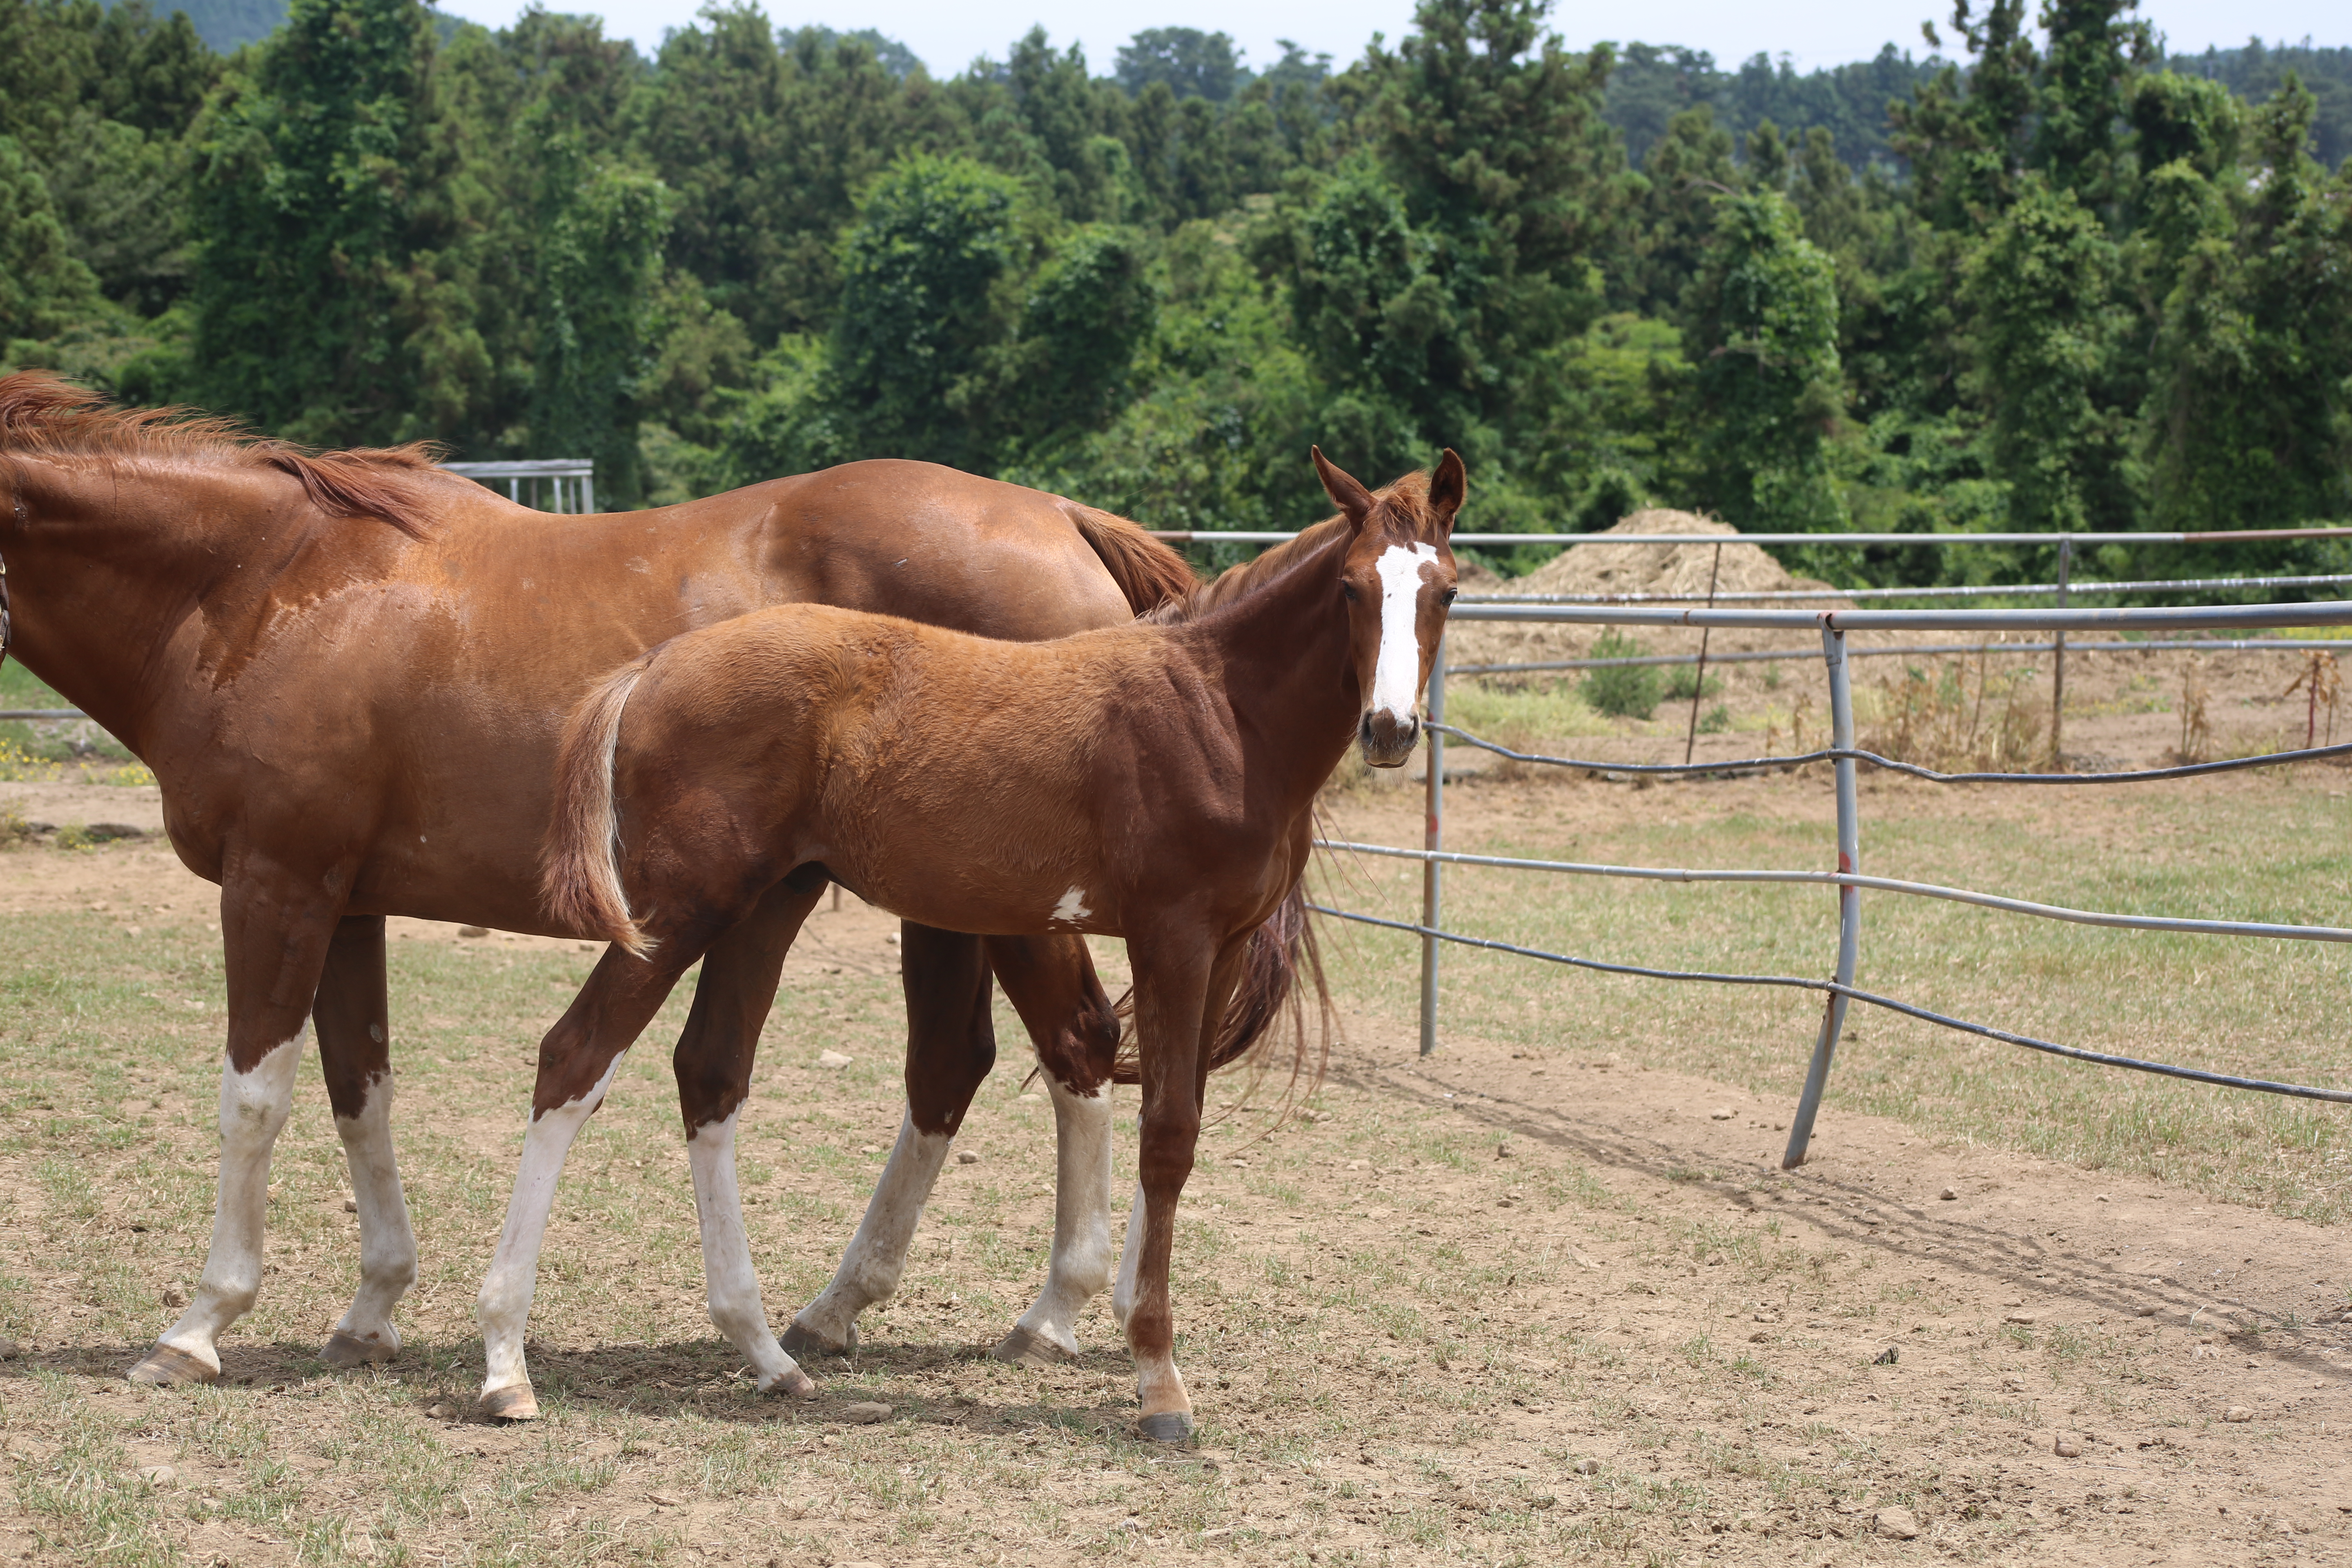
(948,35)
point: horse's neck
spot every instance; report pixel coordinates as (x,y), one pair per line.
(113,567)
(1289,675)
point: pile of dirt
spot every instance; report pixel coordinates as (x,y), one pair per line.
(1621,569)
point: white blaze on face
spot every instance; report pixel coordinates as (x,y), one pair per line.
(1398,671)
(1071,909)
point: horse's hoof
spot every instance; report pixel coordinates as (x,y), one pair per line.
(167,1366)
(1024,1348)
(350,1349)
(515,1402)
(793,1384)
(1171,1427)
(801,1344)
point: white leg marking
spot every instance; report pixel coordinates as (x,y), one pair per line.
(1131,1257)
(1396,673)
(878,1253)
(1081,1264)
(505,1308)
(387,1240)
(253,1106)
(726,1270)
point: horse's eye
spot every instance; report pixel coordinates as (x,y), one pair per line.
(1348,592)
(1450,592)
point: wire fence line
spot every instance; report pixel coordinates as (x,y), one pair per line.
(1845,757)
(1853,879)
(1799,982)
(1968,590)
(1833,754)
(1771,656)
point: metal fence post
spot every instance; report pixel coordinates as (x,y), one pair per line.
(2058,678)
(1849,846)
(1434,840)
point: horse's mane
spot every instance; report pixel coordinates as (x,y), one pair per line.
(45,416)
(1236,583)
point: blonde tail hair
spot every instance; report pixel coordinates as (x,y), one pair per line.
(581,876)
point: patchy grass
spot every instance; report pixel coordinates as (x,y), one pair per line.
(2274,848)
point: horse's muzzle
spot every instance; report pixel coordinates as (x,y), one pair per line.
(1385,740)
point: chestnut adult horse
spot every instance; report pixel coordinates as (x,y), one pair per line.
(1154,782)
(349,672)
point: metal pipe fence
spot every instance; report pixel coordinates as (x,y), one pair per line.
(564,484)
(1845,757)
(1966,591)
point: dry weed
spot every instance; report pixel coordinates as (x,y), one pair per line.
(2196,728)
(2323,686)
(1957,716)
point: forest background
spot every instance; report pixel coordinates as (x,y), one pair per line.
(2057,281)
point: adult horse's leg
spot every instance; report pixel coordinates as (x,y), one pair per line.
(713,1062)
(276,927)
(1052,984)
(355,1056)
(577,1060)
(950,1046)
(1180,998)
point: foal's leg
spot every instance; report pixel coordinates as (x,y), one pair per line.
(1051,982)
(577,1060)
(950,1046)
(355,1055)
(1180,999)
(275,924)
(713,1063)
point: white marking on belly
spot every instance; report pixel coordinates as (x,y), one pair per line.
(1071,909)
(1398,671)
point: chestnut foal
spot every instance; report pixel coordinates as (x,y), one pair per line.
(1153,781)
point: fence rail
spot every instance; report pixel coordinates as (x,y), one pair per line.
(572,481)
(1842,540)
(1845,757)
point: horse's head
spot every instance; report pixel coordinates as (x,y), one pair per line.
(1397,579)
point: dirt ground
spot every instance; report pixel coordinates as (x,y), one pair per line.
(1503,1305)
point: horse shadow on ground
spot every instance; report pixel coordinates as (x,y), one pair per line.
(705,1377)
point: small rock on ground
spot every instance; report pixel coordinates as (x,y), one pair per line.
(2067,1446)
(966,1157)
(10,1350)
(864,1414)
(159,1475)
(1897,1523)
(2237,1412)
(1949,1194)
(832,1060)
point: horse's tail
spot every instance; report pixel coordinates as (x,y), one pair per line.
(1146,572)
(581,871)
(1266,996)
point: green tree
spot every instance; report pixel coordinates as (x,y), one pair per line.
(599,267)
(1193,64)
(43,287)
(2249,421)
(2085,83)
(1965,138)
(308,169)
(2043,291)
(1765,313)
(925,308)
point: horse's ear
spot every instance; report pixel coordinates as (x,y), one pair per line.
(1447,488)
(1346,494)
